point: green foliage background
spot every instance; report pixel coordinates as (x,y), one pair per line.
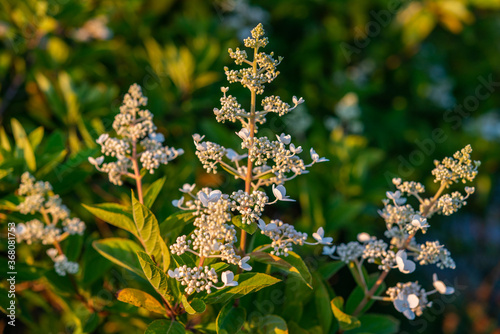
(409,69)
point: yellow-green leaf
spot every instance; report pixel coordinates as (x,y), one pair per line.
(165,327)
(292,264)
(148,231)
(346,321)
(140,299)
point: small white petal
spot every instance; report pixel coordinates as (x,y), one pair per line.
(413,301)
(363,237)
(203,198)
(409,314)
(329,250)
(197,138)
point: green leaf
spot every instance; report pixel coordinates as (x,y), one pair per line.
(148,233)
(355,273)
(157,278)
(247,283)
(50,161)
(346,321)
(293,310)
(219,266)
(94,265)
(4,140)
(53,99)
(153,191)
(114,214)
(228,170)
(331,268)
(165,327)
(194,306)
(171,227)
(322,303)
(73,247)
(184,259)
(35,137)
(91,323)
(120,251)
(25,272)
(62,284)
(358,294)
(270,324)
(296,329)
(377,323)
(230,319)
(245,227)
(140,299)
(23,143)
(293,264)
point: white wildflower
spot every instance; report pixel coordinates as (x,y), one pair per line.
(319,235)
(228,279)
(403,264)
(280,193)
(441,287)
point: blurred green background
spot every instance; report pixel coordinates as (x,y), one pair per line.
(389,85)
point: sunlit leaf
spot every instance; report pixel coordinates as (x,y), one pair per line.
(120,251)
(148,233)
(292,264)
(165,327)
(230,319)
(247,283)
(140,299)
(114,214)
(346,321)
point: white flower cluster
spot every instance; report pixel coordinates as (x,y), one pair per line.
(214,235)
(57,225)
(200,279)
(267,163)
(95,28)
(376,251)
(195,279)
(38,198)
(266,64)
(346,252)
(411,299)
(403,222)
(61,264)
(34,193)
(433,253)
(138,140)
(32,231)
(449,204)
(283,236)
(209,154)
(249,206)
(274,161)
(458,168)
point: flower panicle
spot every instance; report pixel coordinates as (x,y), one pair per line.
(404,222)
(137,141)
(53,225)
(260,162)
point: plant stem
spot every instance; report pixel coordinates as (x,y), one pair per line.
(361,276)
(58,247)
(371,292)
(434,199)
(251,125)
(137,172)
